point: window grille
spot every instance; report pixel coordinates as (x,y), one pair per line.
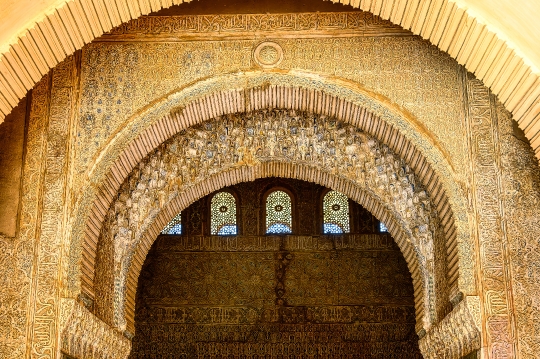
(174,226)
(336,213)
(223,214)
(278,213)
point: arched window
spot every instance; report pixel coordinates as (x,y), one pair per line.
(335,213)
(174,226)
(278,213)
(223,214)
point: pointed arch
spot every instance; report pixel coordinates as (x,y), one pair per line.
(239,155)
(125,304)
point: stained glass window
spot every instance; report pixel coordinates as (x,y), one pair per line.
(174,226)
(382,228)
(223,214)
(278,213)
(335,213)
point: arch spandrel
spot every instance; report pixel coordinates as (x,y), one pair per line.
(268,143)
(42,45)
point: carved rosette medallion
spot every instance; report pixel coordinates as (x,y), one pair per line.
(268,54)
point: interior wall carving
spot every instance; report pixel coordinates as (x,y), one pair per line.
(120,142)
(466,248)
(83,117)
(253,295)
(85,336)
(305,100)
(109,98)
(446,24)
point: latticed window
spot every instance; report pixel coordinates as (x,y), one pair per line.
(174,226)
(382,228)
(223,214)
(336,213)
(278,213)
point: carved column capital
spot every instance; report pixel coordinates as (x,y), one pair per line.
(86,336)
(457,335)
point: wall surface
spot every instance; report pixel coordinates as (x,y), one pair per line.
(511,20)
(11,157)
(96,103)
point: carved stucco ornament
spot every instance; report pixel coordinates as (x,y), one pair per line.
(457,335)
(250,139)
(268,54)
(86,336)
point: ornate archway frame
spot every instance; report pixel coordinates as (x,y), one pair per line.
(453,29)
(180,172)
(241,92)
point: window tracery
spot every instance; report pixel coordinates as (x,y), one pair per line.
(278,213)
(223,214)
(174,226)
(336,213)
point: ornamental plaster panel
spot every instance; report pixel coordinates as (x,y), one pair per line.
(406,71)
(520,198)
(218,146)
(44,310)
(490,231)
(444,23)
(33,258)
(18,253)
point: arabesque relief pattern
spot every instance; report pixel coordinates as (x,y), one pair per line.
(248,139)
(134,76)
(520,182)
(310,296)
(487,191)
(118,79)
(35,256)
(314,23)
(18,253)
(503,168)
(49,242)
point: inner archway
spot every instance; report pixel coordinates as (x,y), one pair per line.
(267,143)
(308,293)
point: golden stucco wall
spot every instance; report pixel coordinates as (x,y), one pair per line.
(98,97)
